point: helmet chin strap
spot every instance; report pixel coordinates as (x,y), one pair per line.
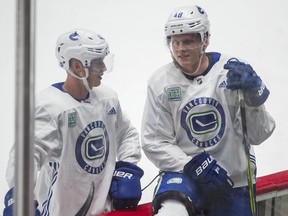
(199,64)
(84,79)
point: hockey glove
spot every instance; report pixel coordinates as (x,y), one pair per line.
(8,202)
(203,169)
(125,189)
(175,186)
(242,76)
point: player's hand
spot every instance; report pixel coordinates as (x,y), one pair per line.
(242,76)
(203,169)
(8,202)
(125,189)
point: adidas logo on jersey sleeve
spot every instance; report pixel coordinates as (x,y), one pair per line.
(112,111)
(223,84)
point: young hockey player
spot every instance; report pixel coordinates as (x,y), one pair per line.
(191,127)
(82,137)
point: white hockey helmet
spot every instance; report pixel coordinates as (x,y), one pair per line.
(83,45)
(189,19)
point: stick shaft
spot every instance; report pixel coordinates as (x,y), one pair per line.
(247,151)
(84,209)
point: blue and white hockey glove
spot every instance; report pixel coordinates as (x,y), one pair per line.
(125,189)
(175,186)
(242,76)
(8,202)
(203,169)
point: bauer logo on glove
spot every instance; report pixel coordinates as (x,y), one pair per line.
(204,165)
(122,174)
(203,169)
(125,189)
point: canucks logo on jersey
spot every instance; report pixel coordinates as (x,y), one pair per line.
(92,147)
(203,120)
(95,148)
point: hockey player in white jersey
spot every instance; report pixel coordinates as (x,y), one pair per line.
(82,137)
(191,127)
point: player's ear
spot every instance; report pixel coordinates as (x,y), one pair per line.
(76,66)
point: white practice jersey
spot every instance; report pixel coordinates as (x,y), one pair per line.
(183,117)
(76,143)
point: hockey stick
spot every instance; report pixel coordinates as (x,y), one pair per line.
(247,151)
(84,209)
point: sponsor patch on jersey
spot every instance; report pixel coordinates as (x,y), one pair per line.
(203,119)
(174,94)
(72,119)
(92,147)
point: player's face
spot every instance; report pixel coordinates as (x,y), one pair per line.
(96,71)
(186,49)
